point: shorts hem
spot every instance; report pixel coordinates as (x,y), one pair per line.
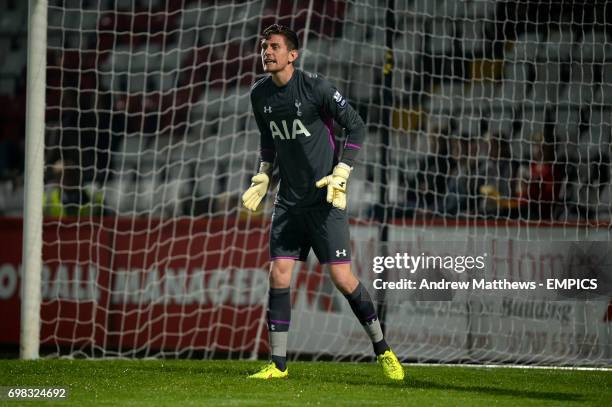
(335,262)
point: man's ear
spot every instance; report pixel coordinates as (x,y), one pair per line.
(293,55)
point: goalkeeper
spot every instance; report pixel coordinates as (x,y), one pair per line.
(294,111)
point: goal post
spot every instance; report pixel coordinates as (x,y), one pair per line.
(488,134)
(34,164)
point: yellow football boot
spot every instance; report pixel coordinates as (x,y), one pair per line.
(270,371)
(392,368)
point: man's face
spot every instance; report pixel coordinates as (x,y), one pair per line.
(275,56)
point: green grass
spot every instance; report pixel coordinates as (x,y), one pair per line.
(216,383)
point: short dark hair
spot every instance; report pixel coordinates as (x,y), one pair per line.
(291,37)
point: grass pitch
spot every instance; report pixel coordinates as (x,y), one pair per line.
(217,383)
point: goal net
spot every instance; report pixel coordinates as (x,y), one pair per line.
(489,129)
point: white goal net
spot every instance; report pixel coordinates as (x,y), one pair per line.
(489,127)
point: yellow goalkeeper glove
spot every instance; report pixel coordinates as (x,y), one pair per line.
(259,187)
(336,185)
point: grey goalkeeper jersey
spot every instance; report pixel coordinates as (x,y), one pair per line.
(296,126)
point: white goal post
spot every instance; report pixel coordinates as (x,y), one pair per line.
(34,164)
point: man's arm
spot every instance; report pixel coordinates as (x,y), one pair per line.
(336,106)
(267,152)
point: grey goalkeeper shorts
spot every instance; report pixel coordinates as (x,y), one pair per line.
(324,228)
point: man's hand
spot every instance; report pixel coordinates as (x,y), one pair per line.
(336,185)
(259,187)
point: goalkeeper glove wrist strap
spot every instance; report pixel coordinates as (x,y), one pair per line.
(265,167)
(345,166)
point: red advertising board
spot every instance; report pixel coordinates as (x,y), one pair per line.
(124,284)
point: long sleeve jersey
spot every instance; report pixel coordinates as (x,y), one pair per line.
(296,126)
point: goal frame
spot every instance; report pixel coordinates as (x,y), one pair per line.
(34,178)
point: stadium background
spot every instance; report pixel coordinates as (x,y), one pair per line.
(493,119)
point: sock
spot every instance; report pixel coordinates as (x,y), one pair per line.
(380,347)
(363,308)
(280,362)
(279,317)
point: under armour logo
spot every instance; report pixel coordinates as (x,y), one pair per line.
(297,105)
(341,252)
(267,109)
